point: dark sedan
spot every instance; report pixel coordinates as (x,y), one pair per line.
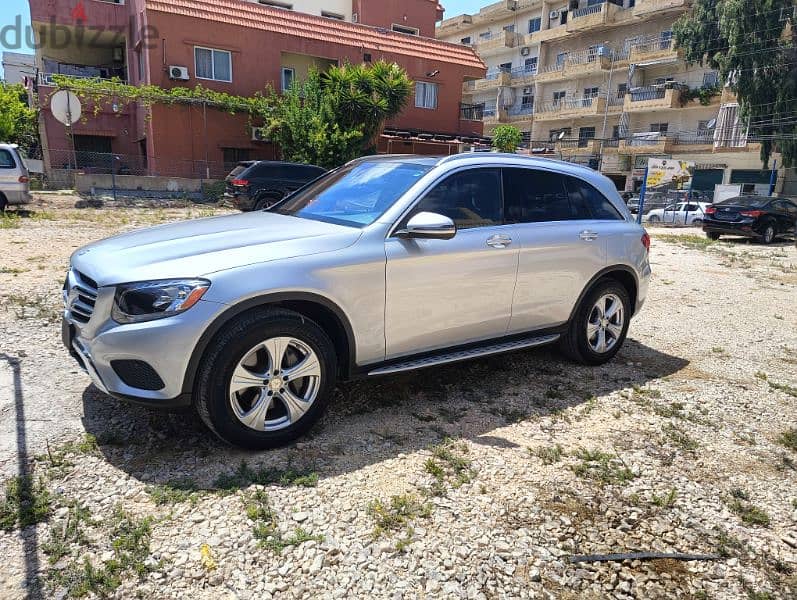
(758,217)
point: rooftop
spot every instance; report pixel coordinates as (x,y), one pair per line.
(301,25)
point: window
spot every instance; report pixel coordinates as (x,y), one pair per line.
(663,80)
(425,95)
(711,79)
(584,135)
(531,64)
(233,156)
(622,90)
(288,75)
(589,203)
(505,67)
(535,24)
(486,35)
(471,199)
(466,40)
(527,102)
(213,64)
(660,128)
(403,29)
(331,15)
(6,160)
(560,58)
(558,97)
(535,197)
(276,4)
(142,75)
(591,92)
(509,28)
(615,132)
(367,57)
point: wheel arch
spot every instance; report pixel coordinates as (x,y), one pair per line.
(622,274)
(317,308)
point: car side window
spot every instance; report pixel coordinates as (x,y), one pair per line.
(7,160)
(470,198)
(589,203)
(265,172)
(535,196)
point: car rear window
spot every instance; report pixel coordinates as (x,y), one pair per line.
(747,201)
(7,160)
(237,171)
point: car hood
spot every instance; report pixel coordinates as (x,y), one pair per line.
(201,247)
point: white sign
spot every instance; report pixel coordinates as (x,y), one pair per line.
(65,107)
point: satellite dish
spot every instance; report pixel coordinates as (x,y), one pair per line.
(562,135)
(711,124)
(65,107)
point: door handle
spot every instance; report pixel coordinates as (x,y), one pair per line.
(588,236)
(499,241)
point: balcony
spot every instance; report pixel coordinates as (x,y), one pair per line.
(702,142)
(552,72)
(646,143)
(493,81)
(653,50)
(571,108)
(520,116)
(598,15)
(650,99)
(524,75)
(649,8)
(546,35)
(578,147)
(497,42)
(587,62)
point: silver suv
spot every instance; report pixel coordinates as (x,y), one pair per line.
(387,264)
(14,177)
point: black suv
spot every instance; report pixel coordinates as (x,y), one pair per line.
(257,185)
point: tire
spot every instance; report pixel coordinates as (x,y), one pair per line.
(769,233)
(224,410)
(697,223)
(576,343)
(712,235)
(3,203)
(265,202)
(653,219)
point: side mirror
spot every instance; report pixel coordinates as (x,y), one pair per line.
(429,226)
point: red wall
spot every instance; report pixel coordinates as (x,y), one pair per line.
(421,14)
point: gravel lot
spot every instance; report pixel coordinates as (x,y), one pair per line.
(480,480)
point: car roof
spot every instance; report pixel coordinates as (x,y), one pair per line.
(276,163)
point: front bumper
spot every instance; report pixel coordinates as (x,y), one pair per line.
(166,345)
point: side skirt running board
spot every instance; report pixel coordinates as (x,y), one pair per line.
(451,357)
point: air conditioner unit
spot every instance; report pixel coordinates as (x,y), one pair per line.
(525,51)
(554,14)
(528,91)
(259,134)
(179,73)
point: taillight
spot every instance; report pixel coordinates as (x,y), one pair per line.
(646,241)
(240,182)
(24,179)
(711,210)
(753,214)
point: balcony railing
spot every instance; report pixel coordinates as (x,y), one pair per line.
(523,109)
(471,112)
(589,10)
(48,79)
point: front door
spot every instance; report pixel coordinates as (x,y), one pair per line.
(442,293)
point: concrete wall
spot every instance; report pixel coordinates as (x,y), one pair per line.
(18,66)
(85,183)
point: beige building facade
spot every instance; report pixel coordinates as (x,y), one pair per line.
(600,82)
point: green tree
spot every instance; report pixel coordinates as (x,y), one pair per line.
(753,45)
(336,116)
(17,121)
(507,138)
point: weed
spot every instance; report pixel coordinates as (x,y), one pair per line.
(674,410)
(762,376)
(258,509)
(718,350)
(693,242)
(43,216)
(33,307)
(785,388)
(601,466)
(548,455)
(397,514)
(12,271)
(175,492)
(511,415)
(9,220)
(426,418)
(739,503)
(26,502)
(63,536)
(666,501)
(245,476)
(449,465)
(679,437)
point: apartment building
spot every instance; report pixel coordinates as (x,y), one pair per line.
(600,82)
(238,47)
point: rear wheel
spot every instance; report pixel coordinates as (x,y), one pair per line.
(654,219)
(266,202)
(712,235)
(266,379)
(599,328)
(768,235)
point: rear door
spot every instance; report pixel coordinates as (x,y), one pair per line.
(562,244)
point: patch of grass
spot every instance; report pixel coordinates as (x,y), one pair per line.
(176,491)
(130,539)
(245,476)
(718,350)
(9,220)
(35,307)
(667,500)
(674,410)
(12,271)
(449,465)
(26,502)
(679,437)
(739,503)
(693,242)
(602,466)
(788,439)
(258,510)
(64,535)
(43,215)
(784,387)
(396,515)
(548,454)
(511,415)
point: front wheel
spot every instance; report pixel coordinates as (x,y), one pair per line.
(599,328)
(266,379)
(653,219)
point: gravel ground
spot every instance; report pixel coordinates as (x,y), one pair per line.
(479,480)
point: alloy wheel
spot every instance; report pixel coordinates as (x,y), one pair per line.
(605,323)
(275,384)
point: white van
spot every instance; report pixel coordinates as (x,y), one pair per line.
(14,177)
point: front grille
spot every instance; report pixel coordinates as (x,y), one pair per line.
(138,374)
(80,296)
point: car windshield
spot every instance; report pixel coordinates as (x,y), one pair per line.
(746,201)
(355,195)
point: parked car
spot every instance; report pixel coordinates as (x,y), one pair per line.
(388,264)
(258,185)
(14,177)
(761,217)
(683,213)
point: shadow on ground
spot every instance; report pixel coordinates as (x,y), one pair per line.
(374,420)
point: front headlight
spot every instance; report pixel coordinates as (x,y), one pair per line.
(150,300)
